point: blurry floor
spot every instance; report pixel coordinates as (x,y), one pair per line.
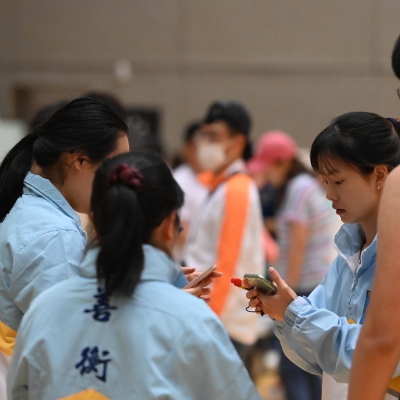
(269,387)
(264,372)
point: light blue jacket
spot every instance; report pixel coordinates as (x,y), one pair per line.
(42,242)
(160,344)
(316,333)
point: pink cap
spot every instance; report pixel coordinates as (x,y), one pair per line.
(271,147)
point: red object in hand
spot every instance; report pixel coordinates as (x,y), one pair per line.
(237,282)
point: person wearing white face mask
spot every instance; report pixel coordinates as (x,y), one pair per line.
(228,229)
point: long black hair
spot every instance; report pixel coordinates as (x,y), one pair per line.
(132,194)
(85,126)
(360,139)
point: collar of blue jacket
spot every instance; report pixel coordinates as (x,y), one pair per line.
(35,185)
(157,266)
(348,242)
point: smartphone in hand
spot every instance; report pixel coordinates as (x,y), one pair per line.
(199,278)
(264,285)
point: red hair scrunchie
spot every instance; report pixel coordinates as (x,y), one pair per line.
(127,175)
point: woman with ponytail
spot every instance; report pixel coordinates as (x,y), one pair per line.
(122,330)
(44,180)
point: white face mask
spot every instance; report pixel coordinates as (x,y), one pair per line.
(211,156)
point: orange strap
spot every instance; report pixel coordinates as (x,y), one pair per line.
(237,195)
(89,394)
(210,181)
(7,339)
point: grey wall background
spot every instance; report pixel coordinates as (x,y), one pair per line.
(295,64)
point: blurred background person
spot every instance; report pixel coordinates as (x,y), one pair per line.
(195,192)
(305,226)
(140,136)
(228,230)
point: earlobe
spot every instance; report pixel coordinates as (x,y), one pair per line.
(381,175)
(79,163)
(78,160)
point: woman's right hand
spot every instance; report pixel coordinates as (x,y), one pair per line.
(273,305)
(201,290)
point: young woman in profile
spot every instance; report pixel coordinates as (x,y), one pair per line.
(353,157)
(121,329)
(305,226)
(44,179)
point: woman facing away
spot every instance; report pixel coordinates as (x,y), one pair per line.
(121,329)
(319,333)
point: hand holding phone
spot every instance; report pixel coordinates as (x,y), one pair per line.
(264,285)
(199,278)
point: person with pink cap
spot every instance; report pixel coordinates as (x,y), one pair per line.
(304,226)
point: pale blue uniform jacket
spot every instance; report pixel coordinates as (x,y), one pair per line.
(162,343)
(42,242)
(320,333)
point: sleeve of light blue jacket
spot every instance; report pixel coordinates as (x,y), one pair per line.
(46,260)
(316,339)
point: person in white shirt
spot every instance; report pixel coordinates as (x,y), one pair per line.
(195,192)
(228,230)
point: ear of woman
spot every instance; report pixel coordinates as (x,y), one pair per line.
(165,235)
(381,173)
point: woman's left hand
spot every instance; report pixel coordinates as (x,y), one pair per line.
(201,290)
(273,305)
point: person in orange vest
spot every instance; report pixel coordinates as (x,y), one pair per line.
(228,228)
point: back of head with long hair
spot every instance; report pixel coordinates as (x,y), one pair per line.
(132,194)
(85,126)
